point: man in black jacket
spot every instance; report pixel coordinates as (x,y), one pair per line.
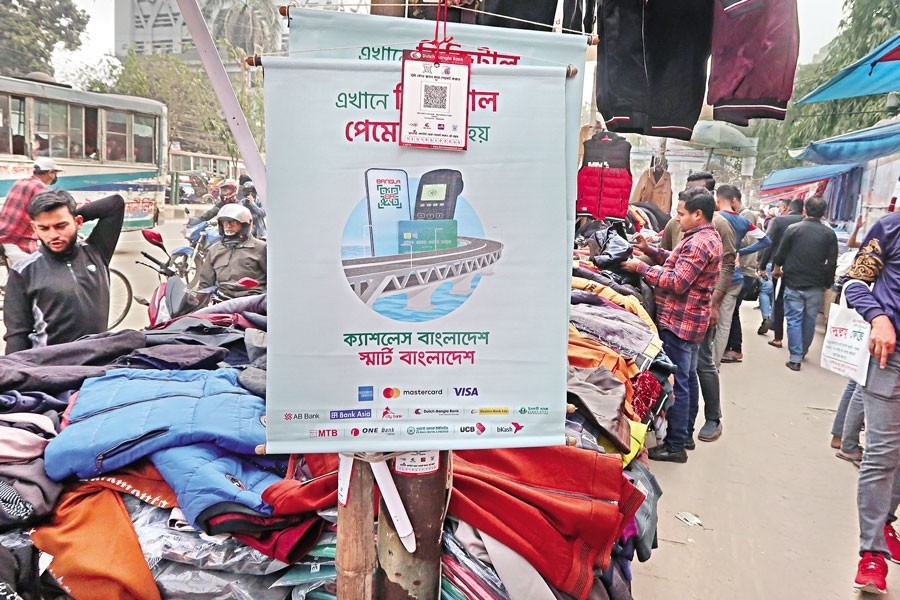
(775,232)
(61,292)
(807,255)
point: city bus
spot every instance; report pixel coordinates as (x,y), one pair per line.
(103,143)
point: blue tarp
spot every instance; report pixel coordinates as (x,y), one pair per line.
(876,73)
(801,175)
(856,146)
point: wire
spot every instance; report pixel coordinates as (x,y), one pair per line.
(841,114)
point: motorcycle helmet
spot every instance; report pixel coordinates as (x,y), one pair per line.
(235,212)
(228,188)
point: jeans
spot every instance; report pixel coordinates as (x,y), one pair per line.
(801,308)
(684,355)
(766,289)
(708,376)
(879,477)
(726,313)
(849,419)
(736,334)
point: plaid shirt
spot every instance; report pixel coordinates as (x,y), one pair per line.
(685,282)
(15,225)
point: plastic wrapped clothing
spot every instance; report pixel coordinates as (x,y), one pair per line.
(177,581)
(619,329)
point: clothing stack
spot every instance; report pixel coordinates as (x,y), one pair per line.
(139,449)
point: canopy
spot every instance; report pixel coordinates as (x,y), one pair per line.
(876,73)
(801,175)
(856,146)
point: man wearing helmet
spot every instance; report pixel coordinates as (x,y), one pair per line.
(228,194)
(239,254)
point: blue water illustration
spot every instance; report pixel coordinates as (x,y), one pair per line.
(394,307)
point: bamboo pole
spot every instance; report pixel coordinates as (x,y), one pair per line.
(416,576)
(355,558)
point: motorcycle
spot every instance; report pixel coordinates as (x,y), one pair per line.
(186,260)
(172,297)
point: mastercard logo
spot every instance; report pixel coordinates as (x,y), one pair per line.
(391,393)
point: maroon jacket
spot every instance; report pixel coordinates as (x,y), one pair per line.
(754,57)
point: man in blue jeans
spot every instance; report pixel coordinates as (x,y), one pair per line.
(806,259)
(684,280)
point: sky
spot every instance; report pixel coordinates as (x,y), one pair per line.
(818,25)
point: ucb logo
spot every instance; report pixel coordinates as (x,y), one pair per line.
(466,391)
(467,429)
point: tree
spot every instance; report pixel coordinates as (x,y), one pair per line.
(866,24)
(246,24)
(32,29)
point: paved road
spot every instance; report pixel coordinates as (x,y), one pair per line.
(778,509)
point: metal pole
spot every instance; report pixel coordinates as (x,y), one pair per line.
(234,114)
(416,576)
(355,558)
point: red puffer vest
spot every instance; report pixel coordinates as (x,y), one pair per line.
(604,180)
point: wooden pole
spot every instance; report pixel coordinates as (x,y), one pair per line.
(417,576)
(355,558)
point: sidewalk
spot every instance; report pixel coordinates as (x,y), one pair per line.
(778,509)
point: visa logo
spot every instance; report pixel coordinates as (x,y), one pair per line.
(465,391)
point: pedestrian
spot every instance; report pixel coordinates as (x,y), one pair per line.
(793,214)
(878,494)
(684,280)
(806,258)
(61,292)
(707,367)
(848,423)
(16,235)
(727,196)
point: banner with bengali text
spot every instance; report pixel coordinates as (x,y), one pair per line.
(416,297)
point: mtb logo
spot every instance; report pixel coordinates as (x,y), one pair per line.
(465,391)
(323,433)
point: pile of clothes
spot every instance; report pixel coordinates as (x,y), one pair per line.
(132,468)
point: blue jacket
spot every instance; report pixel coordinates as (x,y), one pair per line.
(194,426)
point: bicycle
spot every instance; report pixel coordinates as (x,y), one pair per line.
(121,295)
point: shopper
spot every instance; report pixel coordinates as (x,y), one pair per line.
(775,232)
(807,257)
(878,263)
(16,235)
(684,280)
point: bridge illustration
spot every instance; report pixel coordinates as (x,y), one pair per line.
(419,274)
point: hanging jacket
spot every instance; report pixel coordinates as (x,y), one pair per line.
(755,44)
(657,191)
(604,180)
(131,413)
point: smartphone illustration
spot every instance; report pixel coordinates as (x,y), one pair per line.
(437,194)
(387,191)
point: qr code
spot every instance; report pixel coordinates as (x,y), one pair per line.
(435,97)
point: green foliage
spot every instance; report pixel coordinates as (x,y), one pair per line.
(866,24)
(31,29)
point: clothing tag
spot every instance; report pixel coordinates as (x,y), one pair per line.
(434,111)
(423,462)
(345,470)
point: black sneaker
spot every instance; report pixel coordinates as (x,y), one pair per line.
(662,453)
(690,444)
(765,327)
(792,366)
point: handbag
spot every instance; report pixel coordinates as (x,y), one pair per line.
(845,350)
(752,293)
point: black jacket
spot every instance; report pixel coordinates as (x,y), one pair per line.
(808,255)
(775,232)
(52,298)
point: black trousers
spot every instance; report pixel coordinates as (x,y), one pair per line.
(778,311)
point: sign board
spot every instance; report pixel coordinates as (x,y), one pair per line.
(444,346)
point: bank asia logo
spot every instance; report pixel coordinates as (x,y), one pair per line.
(534,410)
(465,391)
(512,428)
(427,430)
(491,411)
(323,433)
(356,413)
(389,415)
(365,393)
(477,428)
(358,431)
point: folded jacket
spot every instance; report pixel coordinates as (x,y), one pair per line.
(584,352)
(600,396)
(174,356)
(24,436)
(131,413)
(36,402)
(29,495)
(629,303)
(618,329)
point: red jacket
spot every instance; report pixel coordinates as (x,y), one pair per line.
(603,192)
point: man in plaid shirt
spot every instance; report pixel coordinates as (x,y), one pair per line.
(16,235)
(684,285)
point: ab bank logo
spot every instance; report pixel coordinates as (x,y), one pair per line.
(391,393)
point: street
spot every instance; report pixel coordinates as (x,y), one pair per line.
(778,509)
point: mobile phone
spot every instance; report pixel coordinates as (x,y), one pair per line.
(387,193)
(437,194)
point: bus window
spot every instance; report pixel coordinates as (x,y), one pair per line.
(17,125)
(76,132)
(144,138)
(90,134)
(116,136)
(51,129)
